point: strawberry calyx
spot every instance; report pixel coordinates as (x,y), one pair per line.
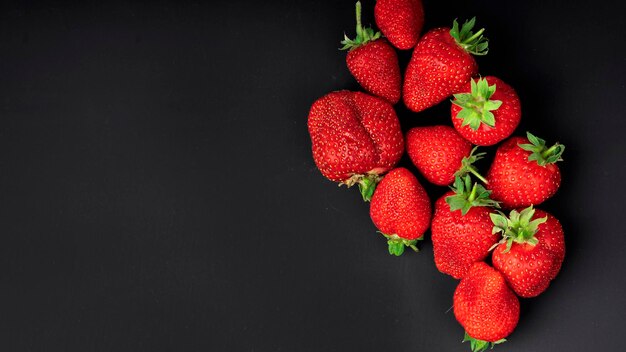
(480,345)
(517,227)
(397,244)
(476,105)
(367,184)
(363,35)
(467,195)
(474,43)
(468,167)
(540,153)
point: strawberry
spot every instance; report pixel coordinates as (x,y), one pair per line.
(524,172)
(401,210)
(486,307)
(486,111)
(461,228)
(441,64)
(373,62)
(400,21)
(355,138)
(531,252)
(440,153)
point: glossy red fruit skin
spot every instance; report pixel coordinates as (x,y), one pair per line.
(529,269)
(400,205)
(460,240)
(438,68)
(375,66)
(484,305)
(354,133)
(507,116)
(437,152)
(401,21)
(517,182)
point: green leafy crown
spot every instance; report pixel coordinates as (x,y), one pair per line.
(474,43)
(476,106)
(363,35)
(397,244)
(517,227)
(467,196)
(480,345)
(539,151)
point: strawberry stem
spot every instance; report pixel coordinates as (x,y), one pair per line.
(359,28)
(549,151)
(474,172)
(470,39)
(472,195)
(363,35)
(467,165)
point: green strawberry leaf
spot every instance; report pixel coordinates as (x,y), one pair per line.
(500,222)
(396,244)
(367,187)
(395,248)
(480,345)
(367,184)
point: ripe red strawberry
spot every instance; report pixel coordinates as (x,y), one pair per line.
(401,210)
(373,62)
(486,307)
(461,228)
(486,111)
(440,154)
(441,64)
(355,138)
(524,172)
(531,252)
(400,21)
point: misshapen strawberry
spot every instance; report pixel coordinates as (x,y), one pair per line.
(401,210)
(524,172)
(373,62)
(486,307)
(486,111)
(441,64)
(531,252)
(355,138)
(440,154)
(461,228)
(400,21)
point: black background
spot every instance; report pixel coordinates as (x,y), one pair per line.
(157,190)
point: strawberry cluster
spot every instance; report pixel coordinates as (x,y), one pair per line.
(357,140)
